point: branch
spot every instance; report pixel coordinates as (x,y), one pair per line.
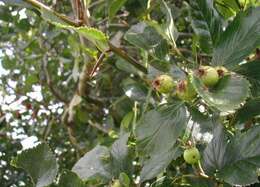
(50,84)
(68,20)
(97,126)
(126,57)
(74,142)
(64,18)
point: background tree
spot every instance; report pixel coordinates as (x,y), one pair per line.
(129,93)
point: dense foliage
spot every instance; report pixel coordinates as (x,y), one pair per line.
(129,93)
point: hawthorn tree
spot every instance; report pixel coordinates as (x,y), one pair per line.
(129,93)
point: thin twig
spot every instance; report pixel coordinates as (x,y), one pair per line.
(97,126)
(97,2)
(99,61)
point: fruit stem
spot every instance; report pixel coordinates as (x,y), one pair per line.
(201,171)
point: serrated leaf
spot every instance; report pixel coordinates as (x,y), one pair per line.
(156,133)
(206,23)
(250,70)
(114,7)
(240,38)
(91,164)
(237,160)
(40,163)
(96,36)
(230,92)
(70,179)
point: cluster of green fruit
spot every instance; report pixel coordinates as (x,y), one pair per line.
(184,90)
(165,84)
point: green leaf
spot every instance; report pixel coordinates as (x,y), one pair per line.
(214,153)
(248,111)
(143,36)
(127,120)
(92,164)
(96,36)
(168,27)
(124,179)
(70,179)
(205,121)
(200,182)
(105,163)
(31,79)
(121,156)
(17,2)
(240,38)
(237,160)
(228,8)
(123,65)
(161,51)
(114,7)
(8,63)
(156,133)
(206,23)
(135,90)
(230,92)
(158,162)
(51,17)
(250,70)
(40,163)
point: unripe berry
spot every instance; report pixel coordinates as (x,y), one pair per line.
(163,84)
(185,90)
(116,183)
(208,75)
(191,155)
(222,71)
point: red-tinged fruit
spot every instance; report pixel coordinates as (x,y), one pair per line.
(185,91)
(208,75)
(222,71)
(163,84)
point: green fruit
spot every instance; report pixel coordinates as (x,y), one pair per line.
(185,91)
(222,71)
(208,75)
(163,84)
(192,155)
(116,183)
